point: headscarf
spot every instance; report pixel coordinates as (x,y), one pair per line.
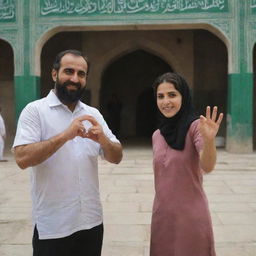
(174,129)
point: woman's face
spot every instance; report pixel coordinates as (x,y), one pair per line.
(169,99)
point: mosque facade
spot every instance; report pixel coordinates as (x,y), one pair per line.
(129,43)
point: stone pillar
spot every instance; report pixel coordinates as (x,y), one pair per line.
(240,91)
(27,89)
(239,117)
(26,84)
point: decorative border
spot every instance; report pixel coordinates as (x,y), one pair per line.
(43,26)
(12,32)
(8,11)
(253,6)
(126,7)
(224,26)
(12,37)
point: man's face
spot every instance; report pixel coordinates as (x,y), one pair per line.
(70,80)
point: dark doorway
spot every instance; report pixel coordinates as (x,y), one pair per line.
(210,75)
(146,113)
(130,79)
(7,97)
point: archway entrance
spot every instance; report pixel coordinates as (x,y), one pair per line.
(7,91)
(129,80)
(127,63)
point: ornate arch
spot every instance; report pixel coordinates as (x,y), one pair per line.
(126,48)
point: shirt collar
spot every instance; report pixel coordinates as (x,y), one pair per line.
(54,101)
(79,106)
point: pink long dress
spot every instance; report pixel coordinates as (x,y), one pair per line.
(181,223)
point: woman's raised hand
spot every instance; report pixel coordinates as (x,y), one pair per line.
(209,124)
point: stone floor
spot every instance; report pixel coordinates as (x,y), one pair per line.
(127,192)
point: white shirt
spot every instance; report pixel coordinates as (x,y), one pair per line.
(2,128)
(65,187)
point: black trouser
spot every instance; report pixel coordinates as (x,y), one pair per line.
(82,243)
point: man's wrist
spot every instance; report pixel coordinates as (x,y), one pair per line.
(103,140)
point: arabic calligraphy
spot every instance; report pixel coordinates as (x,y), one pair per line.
(80,7)
(7,10)
(253,3)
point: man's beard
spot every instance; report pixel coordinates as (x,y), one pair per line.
(67,96)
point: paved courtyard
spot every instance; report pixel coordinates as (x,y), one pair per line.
(127,192)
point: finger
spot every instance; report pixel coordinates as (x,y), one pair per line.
(220,118)
(90,134)
(86,135)
(202,118)
(83,135)
(81,127)
(214,113)
(97,128)
(88,118)
(91,119)
(94,131)
(82,130)
(208,112)
(202,121)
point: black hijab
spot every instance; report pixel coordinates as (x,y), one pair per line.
(174,129)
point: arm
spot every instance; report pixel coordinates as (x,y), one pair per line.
(208,128)
(35,153)
(208,156)
(112,150)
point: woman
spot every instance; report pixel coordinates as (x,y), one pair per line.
(183,148)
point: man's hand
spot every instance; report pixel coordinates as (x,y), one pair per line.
(112,150)
(77,128)
(95,132)
(36,153)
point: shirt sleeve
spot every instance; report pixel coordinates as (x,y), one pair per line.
(29,126)
(106,131)
(196,136)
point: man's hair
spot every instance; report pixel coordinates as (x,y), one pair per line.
(56,63)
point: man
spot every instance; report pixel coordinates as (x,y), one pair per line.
(2,137)
(61,138)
